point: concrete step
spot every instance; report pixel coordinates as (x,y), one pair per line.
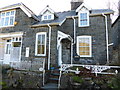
(50,86)
(55,74)
(56,79)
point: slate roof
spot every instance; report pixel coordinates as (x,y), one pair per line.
(63,15)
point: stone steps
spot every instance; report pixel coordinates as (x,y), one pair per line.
(52,83)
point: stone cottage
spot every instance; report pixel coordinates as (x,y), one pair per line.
(81,35)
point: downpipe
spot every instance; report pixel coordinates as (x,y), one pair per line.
(106,25)
(49,46)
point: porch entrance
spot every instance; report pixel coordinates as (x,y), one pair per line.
(64,48)
(12,50)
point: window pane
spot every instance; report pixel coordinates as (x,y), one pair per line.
(12,12)
(83,19)
(45,17)
(86,49)
(49,16)
(3,14)
(38,51)
(16,44)
(7,13)
(43,47)
(43,39)
(11,20)
(1,21)
(39,39)
(6,21)
(8,48)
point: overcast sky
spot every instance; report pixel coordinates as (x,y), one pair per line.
(57,5)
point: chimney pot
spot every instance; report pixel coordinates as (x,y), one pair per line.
(75,4)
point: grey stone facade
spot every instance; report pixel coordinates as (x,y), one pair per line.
(96,30)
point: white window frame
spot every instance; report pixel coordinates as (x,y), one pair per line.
(47,17)
(79,19)
(1,17)
(47,14)
(36,44)
(90,45)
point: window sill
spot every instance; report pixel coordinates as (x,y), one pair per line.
(40,55)
(85,56)
(84,26)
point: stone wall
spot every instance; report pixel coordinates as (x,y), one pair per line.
(20,79)
(116,40)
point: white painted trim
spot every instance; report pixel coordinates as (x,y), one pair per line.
(81,6)
(60,54)
(16,34)
(110,44)
(49,45)
(40,33)
(45,9)
(80,19)
(29,15)
(90,43)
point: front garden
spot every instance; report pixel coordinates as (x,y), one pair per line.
(86,80)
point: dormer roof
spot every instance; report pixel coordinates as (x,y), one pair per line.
(47,8)
(83,5)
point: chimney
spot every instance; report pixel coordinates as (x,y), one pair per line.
(75,4)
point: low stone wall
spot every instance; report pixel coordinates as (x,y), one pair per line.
(21,79)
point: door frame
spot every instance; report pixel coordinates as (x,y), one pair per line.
(9,53)
(60,54)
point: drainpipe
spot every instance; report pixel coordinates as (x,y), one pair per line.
(74,30)
(49,46)
(106,37)
(70,38)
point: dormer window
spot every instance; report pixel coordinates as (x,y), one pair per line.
(83,15)
(47,14)
(83,19)
(47,17)
(7,18)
